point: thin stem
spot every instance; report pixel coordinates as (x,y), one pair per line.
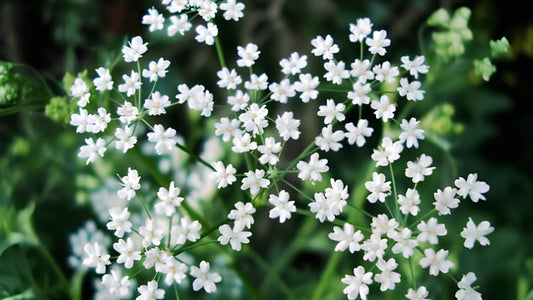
(220,53)
(397,215)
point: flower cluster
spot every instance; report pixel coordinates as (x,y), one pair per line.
(159,238)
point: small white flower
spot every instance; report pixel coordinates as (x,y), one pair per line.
(96,257)
(383,108)
(92,150)
(430,231)
(312,169)
(387,153)
(134,50)
(104,80)
(415,66)
(127,251)
(150,291)
(374,248)
(165,139)
(156,69)
(243,143)
(356,134)
(383,225)
(235,236)
(117,285)
(420,294)
(239,101)
(323,208)
(404,244)
(207,10)
(378,188)
(268,151)
(232,10)
(179,24)
(444,200)
(130,184)
(378,42)
(227,128)
(131,84)
(257,83)
(204,279)
(306,86)
(254,181)
(154,19)
(127,112)
(229,79)
(331,111)
(282,206)
(119,221)
(409,203)
(329,140)
(388,278)
(472,233)
(335,72)
(287,126)
(411,133)
(294,64)
(242,214)
(357,284)
(466,292)
(151,233)
(361,70)
(248,55)
(411,90)
(324,47)
(206,34)
(359,94)
(79,88)
(385,72)
(185,231)
(224,176)
(157,104)
(170,199)
(360,30)
(347,238)
(81,120)
(436,261)
(125,139)
(420,168)
(471,187)
(174,271)
(282,91)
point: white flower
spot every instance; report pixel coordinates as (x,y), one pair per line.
(228,79)
(383,108)
(151,233)
(254,118)
(409,203)
(178,24)
(347,238)
(357,134)
(268,151)
(227,128)
(257,82)
(331,111)
(239,101)
(282,206)
(104,80)
(324,47)
(232,10)
(378,188)
(337,195)
(185,230)
(96,257)
(411,90)
(388,278)
(387,153)
(294,64)
(415,66)
(436,261)
(156,69)
(79,88)
(374,248)
(383,225)
(282,91)
(235,236)
(135,50)
(223,176)
(378,42)
(119,221)
(154,19)
(329,140)
(204,278)
(206,34)
(130,183)
(335,72)
(430,231)
(313,168)
(117,285)
(444,200)
(404,244)
(127,112)
(98,123)
(420,168)
(420,294)
(174,271)
(357,284)
(411,133)
(175,6)
(323,208)
(128,254)
(242,215)
(361,70)
(81,120)
(92,150)
(466,292)
(131,84)
(156,105)
(169,200)
(472,233)
(254,181)
(287,126)
(84,100)
(306,86)
(243,143)
(150,291)
(385,72)
(207,10)
(360,30)
(359,95)
(165,139)
(248,55)
(471,187)
(125,139)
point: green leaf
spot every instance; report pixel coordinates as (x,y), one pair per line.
(27,294)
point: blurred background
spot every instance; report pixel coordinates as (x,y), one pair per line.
(38,163)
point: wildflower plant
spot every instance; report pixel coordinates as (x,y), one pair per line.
(259,153)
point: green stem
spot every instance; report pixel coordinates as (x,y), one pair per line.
(55,267)
(397,212)
(220,53)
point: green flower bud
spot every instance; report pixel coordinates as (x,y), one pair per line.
(439,18)
(58,110)
(484,68)
(499,48)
